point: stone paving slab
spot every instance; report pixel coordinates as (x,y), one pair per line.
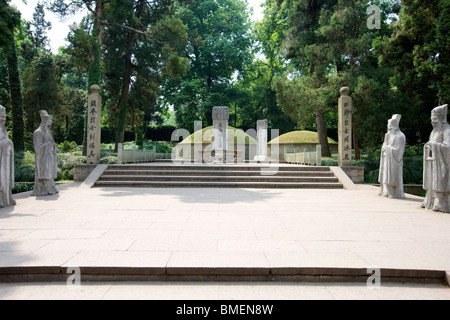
(222,231)
(182,291)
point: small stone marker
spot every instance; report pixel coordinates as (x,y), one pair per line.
(94,125)
(262,127)
(220,116)
(345,128)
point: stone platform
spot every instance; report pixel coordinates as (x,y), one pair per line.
(192,234)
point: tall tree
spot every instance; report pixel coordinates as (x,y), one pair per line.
(305,48)
(66,8)
(418,54)
(9,20)
(269,63)
(40,26)
(144,54)
(218,49)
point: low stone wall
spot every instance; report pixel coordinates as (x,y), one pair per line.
(356,174)
(82,171)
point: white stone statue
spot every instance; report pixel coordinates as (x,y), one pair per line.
(436,173)
(45,156)
(391,164)
(6,164)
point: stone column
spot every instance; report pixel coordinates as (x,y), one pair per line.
(261,127)
(94,125)
(345,128)
(220,117)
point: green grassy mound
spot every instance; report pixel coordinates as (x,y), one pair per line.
(299,137)
(207,133)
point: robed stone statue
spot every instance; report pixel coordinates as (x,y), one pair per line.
(45,156)
(6,164)
(391,164)
(436,173)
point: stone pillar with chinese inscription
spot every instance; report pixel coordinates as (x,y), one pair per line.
(345,128)
(220,116)
(94,125)
(261,133)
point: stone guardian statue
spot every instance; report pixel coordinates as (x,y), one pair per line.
(6,164)
(436,173)
(45,156)
(391,164)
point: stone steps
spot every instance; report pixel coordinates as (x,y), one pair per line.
(235,184)
(203,167)
(227,178)
(218,176)
(238,173)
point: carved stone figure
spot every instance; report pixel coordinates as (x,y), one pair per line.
(436,174)
(391,164)
(6,164)
(45,156)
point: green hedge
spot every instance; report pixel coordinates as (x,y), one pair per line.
(370,160)
(159,133)
(20,187)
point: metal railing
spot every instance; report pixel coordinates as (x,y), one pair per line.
(305,155)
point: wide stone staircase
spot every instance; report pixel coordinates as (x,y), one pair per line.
(218,176)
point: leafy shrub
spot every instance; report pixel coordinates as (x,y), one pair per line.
(67,146)
(111,159)
(24,173)
(20,187)
(370,160)
(66,163)
(161,146)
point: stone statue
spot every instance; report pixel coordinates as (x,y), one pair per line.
(6,164)
(391,164)
(46,158)
(436,173)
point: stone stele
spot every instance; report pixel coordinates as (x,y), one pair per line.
(436,172)
(94,126)
(6,164)
(261,133)
(45,156)
(345,106)
(391,163)
(220,116)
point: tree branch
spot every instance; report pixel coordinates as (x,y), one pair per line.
(131,29)
(88,6)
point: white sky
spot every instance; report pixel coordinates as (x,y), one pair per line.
(59,31)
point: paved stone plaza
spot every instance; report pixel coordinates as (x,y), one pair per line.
(182,231)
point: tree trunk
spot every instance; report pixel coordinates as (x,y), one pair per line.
(94,74)
(122,105)
(123,100)
(322,134)
(15,87)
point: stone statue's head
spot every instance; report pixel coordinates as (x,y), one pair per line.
(46,119)
(2,114)
(439,115)
(394,122)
